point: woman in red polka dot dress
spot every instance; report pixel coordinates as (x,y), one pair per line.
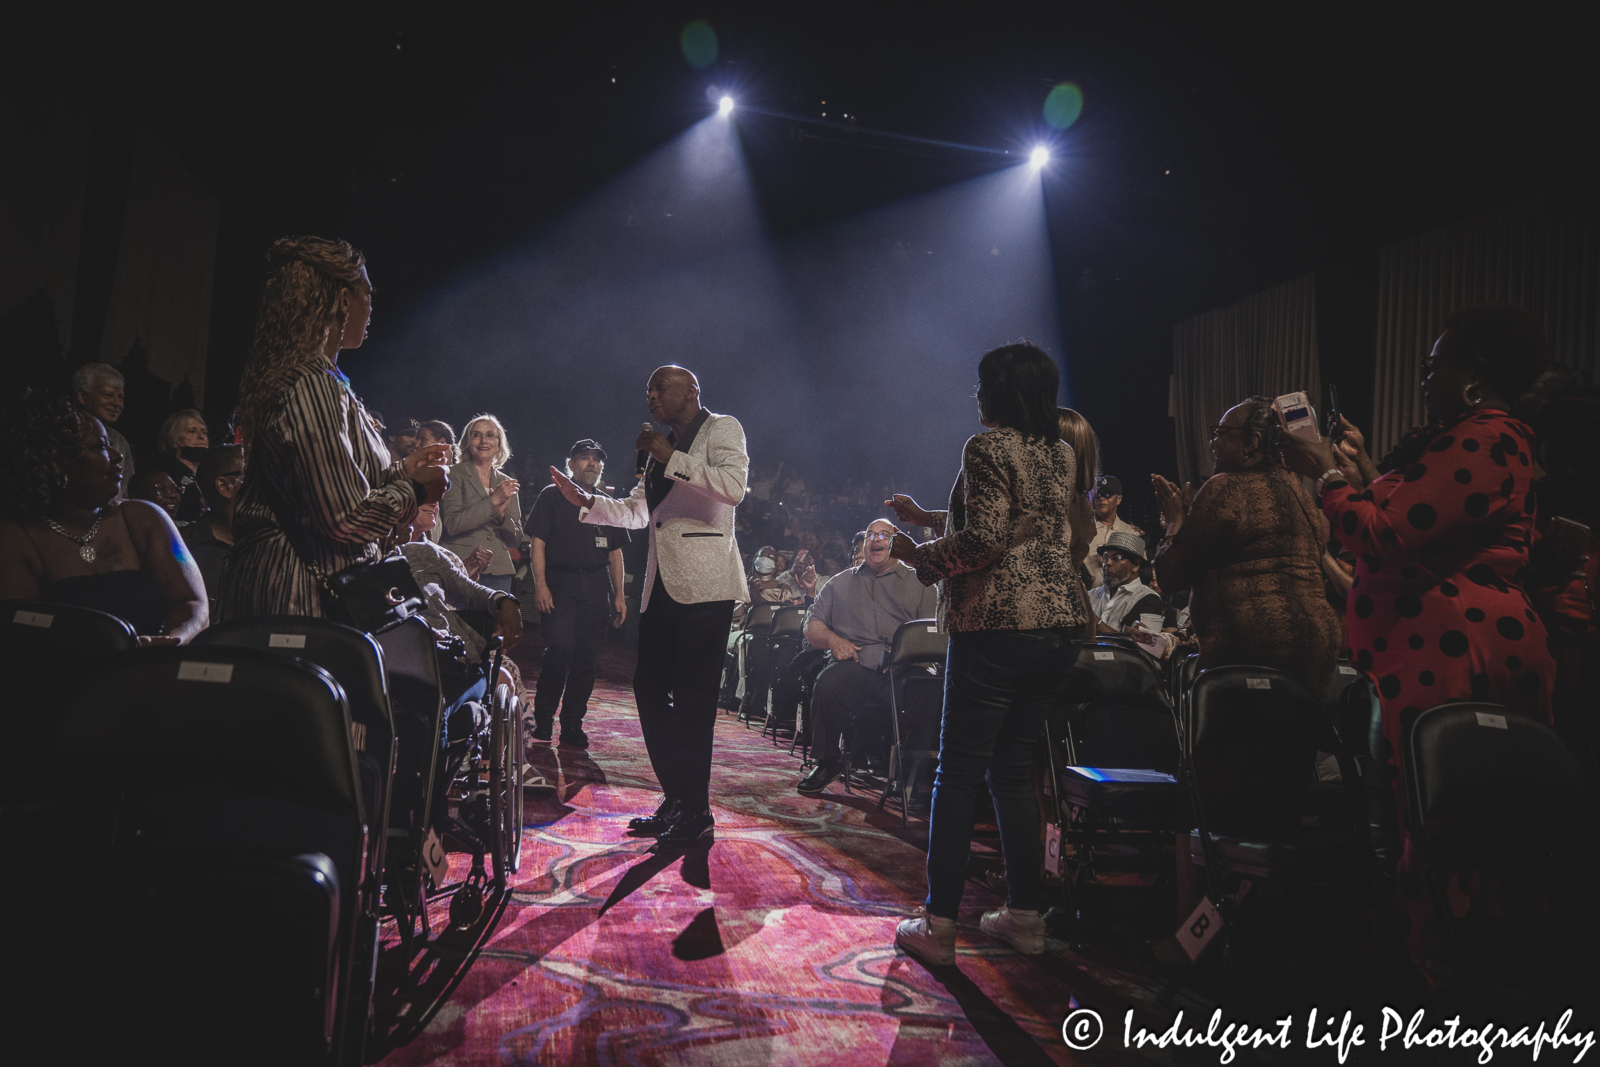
(1437,611)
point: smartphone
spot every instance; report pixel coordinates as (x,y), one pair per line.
(1335,425)
(1297,416)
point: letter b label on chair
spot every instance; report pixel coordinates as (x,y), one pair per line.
(1199,928)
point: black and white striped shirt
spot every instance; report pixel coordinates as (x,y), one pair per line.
(318,474)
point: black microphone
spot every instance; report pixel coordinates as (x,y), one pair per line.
(644,427)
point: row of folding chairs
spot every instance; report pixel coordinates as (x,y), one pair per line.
(236,799)
(1233,748)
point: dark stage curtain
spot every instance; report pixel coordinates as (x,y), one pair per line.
(1265,345)
(1541,254)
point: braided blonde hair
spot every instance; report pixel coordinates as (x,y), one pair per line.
(300,314)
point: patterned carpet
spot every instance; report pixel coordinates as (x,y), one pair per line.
(772,946)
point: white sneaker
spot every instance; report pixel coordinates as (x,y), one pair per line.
(1023,930)
(532,780)
(930,938)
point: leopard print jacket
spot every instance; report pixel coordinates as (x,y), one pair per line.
(1005,555)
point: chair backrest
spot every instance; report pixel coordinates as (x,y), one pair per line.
(759,618)
(1490,772)
(47,652)
(351,656)
(789,619)
(918,641)
(1251,735)
(34,628)
(1118,710)
(416,697)
(1181,671)
(229,720)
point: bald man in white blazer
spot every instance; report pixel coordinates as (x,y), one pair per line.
(694,480)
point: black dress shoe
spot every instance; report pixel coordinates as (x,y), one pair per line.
(542,730)
(655,824)
(572,737)
(688,828)
(819,778)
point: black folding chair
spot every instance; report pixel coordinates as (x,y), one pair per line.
(416,697)
(1117,796)
(916,700)
(1250,735)
(355,661)
(757,657)
(47,652)
(784,641)
(1499,793)
(222,785)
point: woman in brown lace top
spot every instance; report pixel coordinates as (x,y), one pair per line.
(1250,549)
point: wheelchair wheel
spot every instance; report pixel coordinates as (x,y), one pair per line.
(505,784)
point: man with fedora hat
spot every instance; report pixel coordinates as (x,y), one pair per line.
(577,575)
(1122,597)
(1106,498)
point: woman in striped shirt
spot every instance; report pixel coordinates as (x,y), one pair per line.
(319,492)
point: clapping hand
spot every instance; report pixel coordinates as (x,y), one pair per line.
(481,557)
(501,494)
(1174,502)
(426,456)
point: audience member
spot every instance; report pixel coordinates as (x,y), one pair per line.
(854,619)
(1080,437)
(1564,563)
(66,537)
(211,539)
(577,580)
(1011,610)
(1107,498)
(181,444)
(319,492)
(99,388)
(156,486)
(481,508)
(1250,548)
(448,589)
(433,432)
(1438,609)
(769,582)
(1122,598)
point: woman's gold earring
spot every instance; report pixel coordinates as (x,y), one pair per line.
(1471,396)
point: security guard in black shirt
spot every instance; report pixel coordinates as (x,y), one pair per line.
(577,574)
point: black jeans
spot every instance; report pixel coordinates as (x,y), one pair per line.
(681,647)
(572,636)
(844,692)
(998,686)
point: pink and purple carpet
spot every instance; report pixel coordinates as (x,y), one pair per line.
(773,946)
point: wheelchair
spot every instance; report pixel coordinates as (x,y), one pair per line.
(486,787)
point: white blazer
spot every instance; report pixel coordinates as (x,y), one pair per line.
(691,533)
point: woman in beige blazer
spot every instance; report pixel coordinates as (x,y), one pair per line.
(481,509)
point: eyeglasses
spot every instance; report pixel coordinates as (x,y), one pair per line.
(879,535)
(1223,431)
(1113,556)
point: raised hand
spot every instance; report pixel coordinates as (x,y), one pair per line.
(1173,502)
(574,493)
(909,511)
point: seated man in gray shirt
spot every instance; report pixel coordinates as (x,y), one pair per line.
(854,619)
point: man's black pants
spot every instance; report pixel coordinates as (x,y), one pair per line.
(843,692)
(681,647)
(572,636)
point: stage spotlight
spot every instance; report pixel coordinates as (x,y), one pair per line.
(1040,156)
(725,106)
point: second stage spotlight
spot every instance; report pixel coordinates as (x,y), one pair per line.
(725,106)
(1039,156)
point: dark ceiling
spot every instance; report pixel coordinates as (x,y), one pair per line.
(1220,148)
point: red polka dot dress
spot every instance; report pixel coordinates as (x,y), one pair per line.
(1437,611)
